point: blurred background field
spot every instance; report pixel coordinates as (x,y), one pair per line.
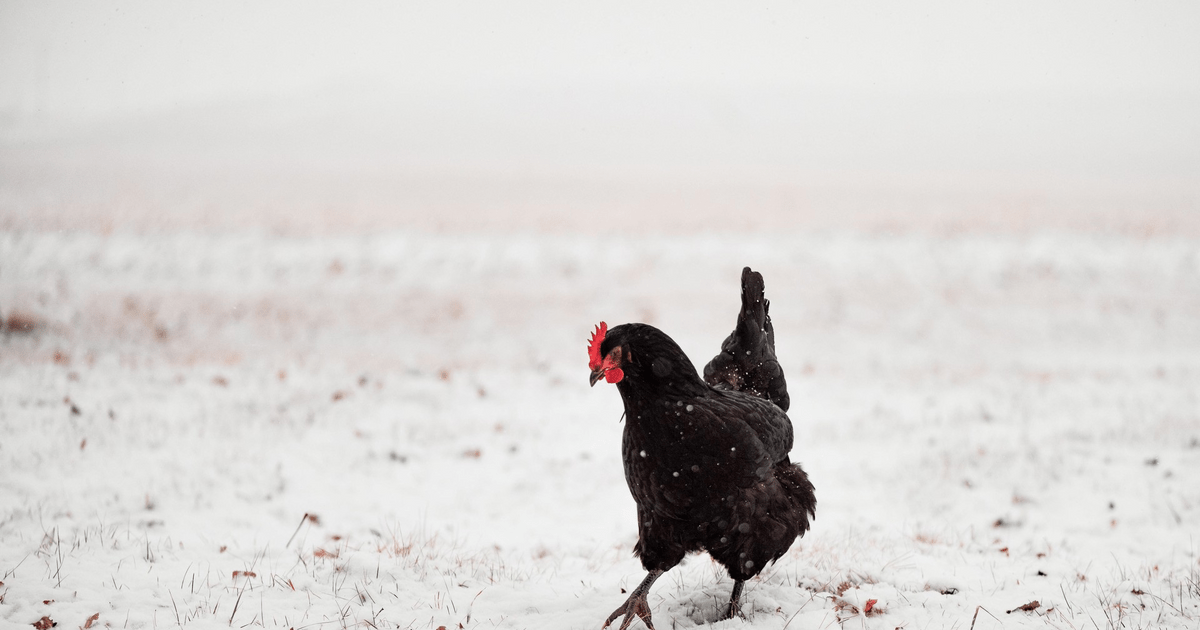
(263,262)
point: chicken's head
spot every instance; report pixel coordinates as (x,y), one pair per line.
(606,366)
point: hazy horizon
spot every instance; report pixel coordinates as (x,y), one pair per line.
(857,103)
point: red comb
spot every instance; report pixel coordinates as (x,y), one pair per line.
(594,357)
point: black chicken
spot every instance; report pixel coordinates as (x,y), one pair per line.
(747,360)
(707,467)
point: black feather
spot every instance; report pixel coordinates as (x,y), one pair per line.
(747,361)
(708,468)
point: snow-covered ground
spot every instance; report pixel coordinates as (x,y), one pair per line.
(395,430)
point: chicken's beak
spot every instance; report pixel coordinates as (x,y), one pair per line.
(597,374)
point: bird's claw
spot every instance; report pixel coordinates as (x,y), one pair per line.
(635,605)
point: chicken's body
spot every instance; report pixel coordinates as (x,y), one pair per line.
(708,468)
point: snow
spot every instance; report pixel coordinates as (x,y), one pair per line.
(296,307)
(394,429)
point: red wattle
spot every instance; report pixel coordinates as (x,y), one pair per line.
(613,375)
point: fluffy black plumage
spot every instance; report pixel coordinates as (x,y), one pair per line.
(708,468)
(747,360)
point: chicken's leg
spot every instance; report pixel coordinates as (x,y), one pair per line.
(636,604)
(735,601)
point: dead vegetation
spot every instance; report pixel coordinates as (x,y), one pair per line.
(18,322)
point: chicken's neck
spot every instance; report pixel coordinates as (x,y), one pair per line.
(643,401)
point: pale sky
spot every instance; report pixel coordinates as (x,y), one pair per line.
(1101,86)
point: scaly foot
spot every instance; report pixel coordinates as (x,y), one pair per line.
(636,605)
(735,602)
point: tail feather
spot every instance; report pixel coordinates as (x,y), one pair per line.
(752,319)
(747,359)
